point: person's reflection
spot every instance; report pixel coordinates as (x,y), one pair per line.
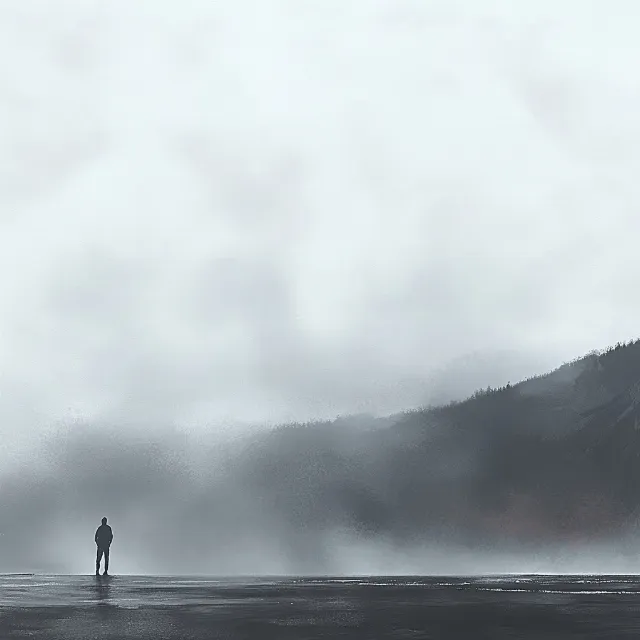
(103,591)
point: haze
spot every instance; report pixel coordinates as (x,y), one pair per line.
(226,213)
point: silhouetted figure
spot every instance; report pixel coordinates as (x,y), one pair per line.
(103,539)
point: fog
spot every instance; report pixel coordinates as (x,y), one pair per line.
(176,508)
(221,215)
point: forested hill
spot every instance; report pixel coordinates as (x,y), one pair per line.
(554,458)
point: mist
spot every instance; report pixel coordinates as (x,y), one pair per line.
(425,492)
(174,510)
(216,218)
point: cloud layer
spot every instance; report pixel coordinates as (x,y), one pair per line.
(219,212)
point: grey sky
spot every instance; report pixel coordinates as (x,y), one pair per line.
(237,211)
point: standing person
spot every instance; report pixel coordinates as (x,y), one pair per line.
(103,539)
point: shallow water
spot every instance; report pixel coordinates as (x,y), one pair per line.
(195,608)
(129,590)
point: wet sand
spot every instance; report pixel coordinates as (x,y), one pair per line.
(194,608)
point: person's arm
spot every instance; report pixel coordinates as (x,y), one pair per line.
(110,535)
(96,536)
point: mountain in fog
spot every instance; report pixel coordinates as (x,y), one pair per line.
(551,459)
(517,470)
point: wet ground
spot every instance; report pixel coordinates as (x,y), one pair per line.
(524,607)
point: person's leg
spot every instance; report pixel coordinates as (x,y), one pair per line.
(98,559)
(106,560)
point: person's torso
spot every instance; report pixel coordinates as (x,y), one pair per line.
(104,533)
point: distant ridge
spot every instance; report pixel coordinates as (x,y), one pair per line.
(533,468)
(552,458)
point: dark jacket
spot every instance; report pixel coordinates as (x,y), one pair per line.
(104,536)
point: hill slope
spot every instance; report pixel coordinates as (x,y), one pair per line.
(551,459)
(525,469)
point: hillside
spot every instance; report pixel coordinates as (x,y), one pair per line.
(551,459)
(520,470)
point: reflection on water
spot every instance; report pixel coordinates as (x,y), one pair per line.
(132,592)
(175,608)
(102,590)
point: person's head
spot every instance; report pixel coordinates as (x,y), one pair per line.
(104,521)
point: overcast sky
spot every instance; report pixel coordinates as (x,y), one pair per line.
(284,209)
